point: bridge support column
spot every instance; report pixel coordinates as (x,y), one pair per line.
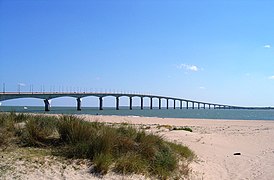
(130,103)
(174,104)
(47,104)
(186,104)
(100,103)
(209,106)
(151,103)
(214,106)
(204,105)
(198,105)
(117,103)
(193,105)
(78,104)
(160,103)
(142,103)
(167,103)
(181,104)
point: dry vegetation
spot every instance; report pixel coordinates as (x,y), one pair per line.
(121,149)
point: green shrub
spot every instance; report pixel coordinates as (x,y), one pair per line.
(148,144)
(84,138)
(39,131)
(164,163)
(164,126)
(20,117)
(124,145)
(104,140)
(7,121)
(4,137)
(182,128)
(12,117)
(3,119)
(126,139)
(131,163)
(102,163)
(73,129)
(182,151)
(127,130)
(9,127)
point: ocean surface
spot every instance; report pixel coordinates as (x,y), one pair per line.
(233,114)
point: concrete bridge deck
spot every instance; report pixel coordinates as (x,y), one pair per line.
(47,96)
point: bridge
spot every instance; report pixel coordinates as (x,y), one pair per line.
(47,96)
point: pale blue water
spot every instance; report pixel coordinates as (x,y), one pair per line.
(243,114)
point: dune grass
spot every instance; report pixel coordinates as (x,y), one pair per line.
(183,128)
(10,127)
(123,149)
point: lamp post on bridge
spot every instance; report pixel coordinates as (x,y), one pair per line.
(31,88)
(19,87)
(4,88)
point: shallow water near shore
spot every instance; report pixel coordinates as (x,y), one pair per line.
(146,112)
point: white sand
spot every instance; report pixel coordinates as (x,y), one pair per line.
(215,142)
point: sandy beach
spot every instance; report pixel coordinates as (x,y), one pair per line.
(215,142)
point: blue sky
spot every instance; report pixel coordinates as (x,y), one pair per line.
(219,51)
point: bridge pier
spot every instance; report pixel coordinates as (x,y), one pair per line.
(167,103)
(130,103)
(174,104)
(198,105)
(117,103)
(142,103)
(47,104)
(160,103)
(151,103)
(181,104)
(100,103)
(186,104)
(209,106)
(193,105)
(78,104)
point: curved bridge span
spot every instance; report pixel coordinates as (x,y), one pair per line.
(47,96)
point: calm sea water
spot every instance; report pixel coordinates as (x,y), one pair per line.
(164,113)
